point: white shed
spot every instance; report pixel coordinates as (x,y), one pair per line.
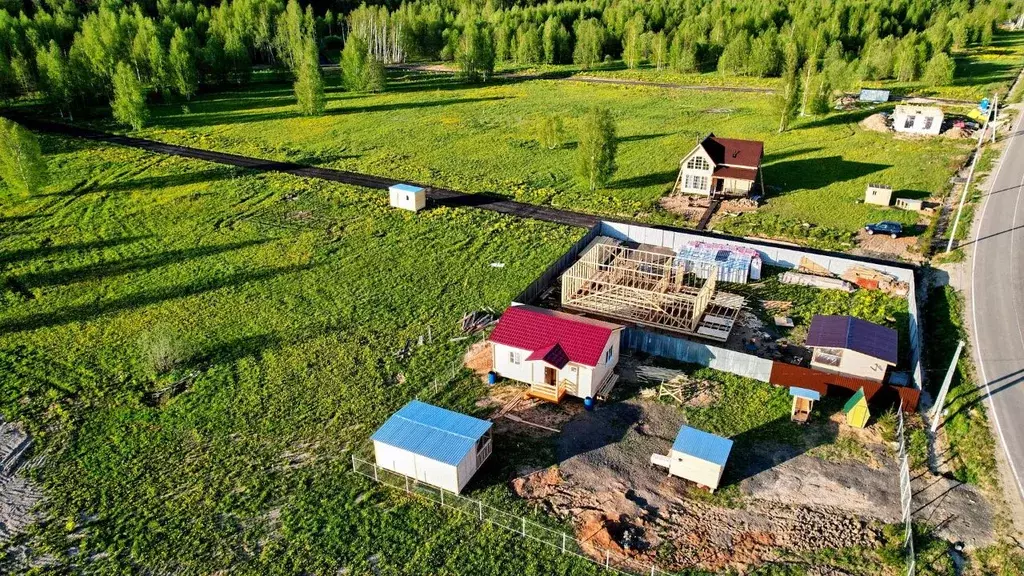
(433,445)
(911,119)
(408,197)
(697,456)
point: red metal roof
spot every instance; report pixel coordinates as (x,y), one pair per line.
(733,152)
(737,173)
(549,334)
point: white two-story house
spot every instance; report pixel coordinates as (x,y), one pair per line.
(721,167)
(557,354)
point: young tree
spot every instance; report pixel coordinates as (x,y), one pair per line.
(683,54)
(551,131)
(597,147)
(55,78)
(765,57)
(633,41)
(21,163)
(659,50)
(129,104)
(309,81)
(788,98)
(528,45)
(360,72)
(555,40)
(589,43)
(475,54)
(940,70)
(181,62)
(734,58)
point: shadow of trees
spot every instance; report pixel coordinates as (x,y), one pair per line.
(817,173)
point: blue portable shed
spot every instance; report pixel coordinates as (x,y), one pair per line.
(433,445)
(699,456)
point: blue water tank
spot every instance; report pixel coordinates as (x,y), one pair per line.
(492,378)
(588,403)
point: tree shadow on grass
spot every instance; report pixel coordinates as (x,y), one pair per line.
(149,183)
(816,173)
(52,277)
(92,311)
(788,153)
(652,179)
(642,137)
(13,256)
(837,118)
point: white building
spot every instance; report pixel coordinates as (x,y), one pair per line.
(407,197)
(556,353)
(433,445)
(912,119)
(697,456)
(721,167)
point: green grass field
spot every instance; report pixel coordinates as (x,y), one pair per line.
(430,129)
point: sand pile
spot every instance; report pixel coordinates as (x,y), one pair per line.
(875,123)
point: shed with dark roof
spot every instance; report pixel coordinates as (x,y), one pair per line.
(848,345)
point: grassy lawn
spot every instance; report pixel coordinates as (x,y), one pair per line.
(427,128)
(281,307)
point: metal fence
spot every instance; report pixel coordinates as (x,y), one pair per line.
(611,561)
(906,493)
(684,350)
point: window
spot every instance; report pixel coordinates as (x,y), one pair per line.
(910,122)
(695,182)
(928,122)
(608,354)
(698,163)
(828,356)
(514,358)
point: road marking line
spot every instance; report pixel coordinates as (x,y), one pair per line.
(974,308)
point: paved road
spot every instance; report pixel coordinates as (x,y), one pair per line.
(997,301)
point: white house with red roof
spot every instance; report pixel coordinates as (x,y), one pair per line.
(556,353)
(721,167)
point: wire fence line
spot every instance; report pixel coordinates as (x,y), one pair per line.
(906,493)
(608,560)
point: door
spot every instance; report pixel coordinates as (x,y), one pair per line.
(550,376)
(716,187)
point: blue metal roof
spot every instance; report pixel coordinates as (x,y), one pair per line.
(873,95)
(432,432)
(804,393)
(406,188)
(703,445)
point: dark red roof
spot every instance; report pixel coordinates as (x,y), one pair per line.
(550,335)
(855,334)
(738,173)
(733,152)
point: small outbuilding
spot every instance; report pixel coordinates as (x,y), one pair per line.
(856,410)
(803,402)
(913,119)
(878,194)
(433,445)
(851,346)
(911,204)
(697,456)
(408,197)
(873,95)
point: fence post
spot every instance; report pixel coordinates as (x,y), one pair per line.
(607,559)
(407,484)
(480,505)
(563,542)
(442,496)
(375,479)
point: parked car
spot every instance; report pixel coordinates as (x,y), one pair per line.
(894,229)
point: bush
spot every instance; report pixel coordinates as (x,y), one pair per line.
(163,351)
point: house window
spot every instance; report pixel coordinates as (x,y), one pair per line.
(514,358)
(698,163)
(828,356)
(928,122)
(608,355)
(909,123)
(695,182)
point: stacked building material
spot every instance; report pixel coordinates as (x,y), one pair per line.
(734,263)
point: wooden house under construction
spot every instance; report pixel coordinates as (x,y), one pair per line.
(650,286)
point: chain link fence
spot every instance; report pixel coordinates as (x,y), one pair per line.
(609,560)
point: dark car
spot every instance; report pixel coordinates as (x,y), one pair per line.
(894,229)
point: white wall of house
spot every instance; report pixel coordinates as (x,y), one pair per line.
(511,363)
(737,185)
(585,378)
(421,468)
(606,364)
(695,470)
(696,172)
(852,363)
(917,120)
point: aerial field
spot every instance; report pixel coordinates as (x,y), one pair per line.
(482,138)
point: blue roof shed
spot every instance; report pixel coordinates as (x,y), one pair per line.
(703,445)
(405,188)
(432,432)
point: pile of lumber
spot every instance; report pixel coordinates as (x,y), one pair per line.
(476,321)
(824,282)
(872,279)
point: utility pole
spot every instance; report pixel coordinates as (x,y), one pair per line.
(967,185)
(940,400)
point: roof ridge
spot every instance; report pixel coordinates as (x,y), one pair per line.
(432,427)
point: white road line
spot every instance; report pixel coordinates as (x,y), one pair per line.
(974,310)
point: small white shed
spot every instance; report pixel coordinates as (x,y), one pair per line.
(697,456)
(408,197)
(878,194)
(433,445)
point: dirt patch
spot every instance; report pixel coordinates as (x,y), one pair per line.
(787,501)
(956,133)
(903,247)
(516,414)
(18,497)
(875,123)
(688,206)
(738,205)
(479,358)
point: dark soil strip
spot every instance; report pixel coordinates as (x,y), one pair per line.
(706,218)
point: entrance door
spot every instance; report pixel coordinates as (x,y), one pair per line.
(717,184)
(550,376)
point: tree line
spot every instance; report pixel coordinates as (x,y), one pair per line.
(76,54)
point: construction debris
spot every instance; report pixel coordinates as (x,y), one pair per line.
(872,279)
(18,497)
(778,306)
(783,321)
(809,266)
(823,282)
(476,321)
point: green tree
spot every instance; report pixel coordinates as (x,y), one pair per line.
(734,58)
(551,131)
(309,80)
(765,57)
(528,45)
(21,163)
(940,70)
(360,72)
(181,62)
(683,54)
(597,147)
(633,41)
(555,40)
(589,43)
(129,103)
(474,55)
(659,50)
(787,100)
(55,78)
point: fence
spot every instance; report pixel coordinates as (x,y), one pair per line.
(609,560)
(684,350)
(906,494)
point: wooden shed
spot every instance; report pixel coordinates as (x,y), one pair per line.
(697,456)
(408,197)
(878,194)
(856,410)
(803,402)
(433,445)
